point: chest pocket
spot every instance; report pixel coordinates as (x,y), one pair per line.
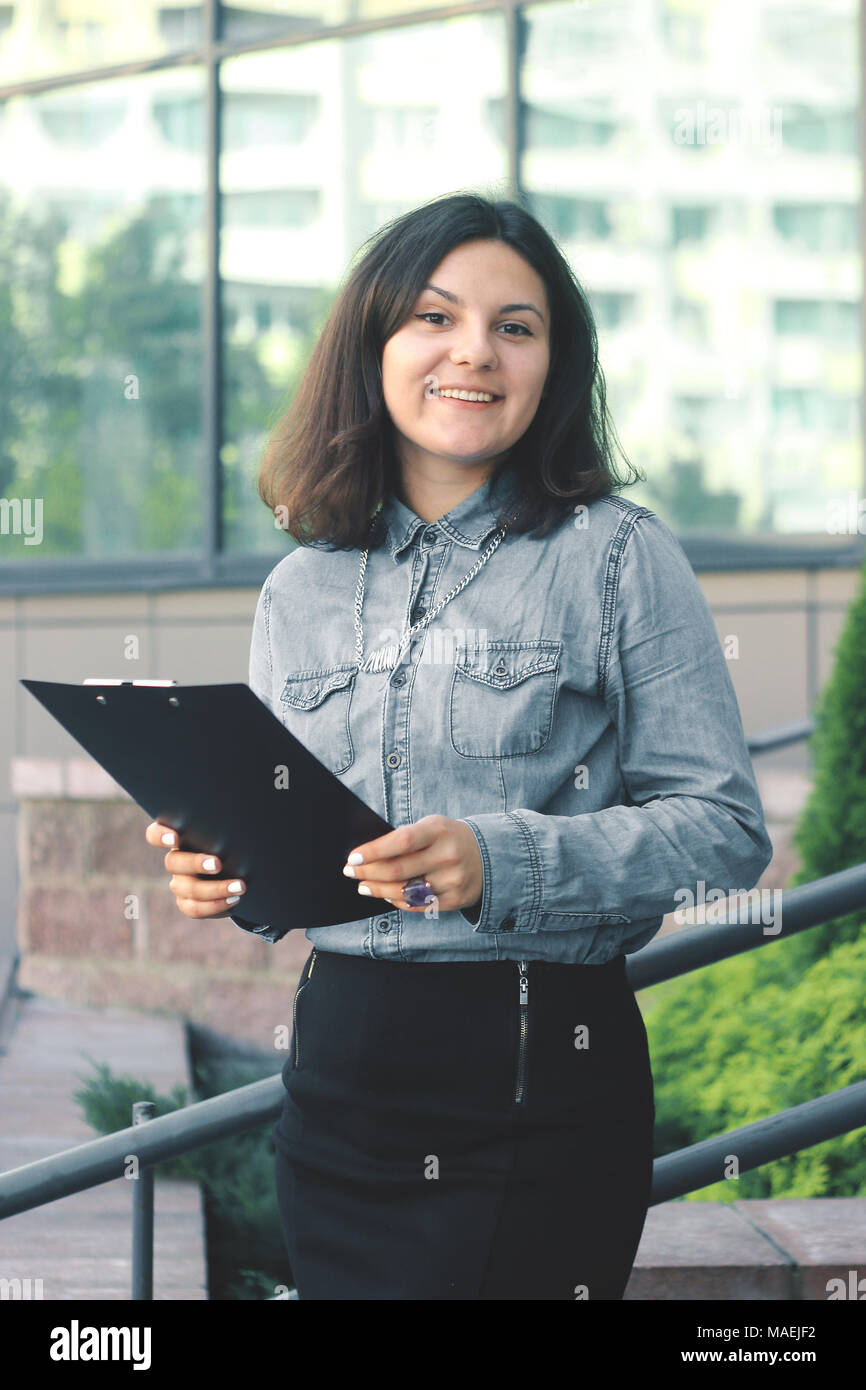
(316,710)
(502,698)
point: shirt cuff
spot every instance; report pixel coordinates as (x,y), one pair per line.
(272,934)
(511,897)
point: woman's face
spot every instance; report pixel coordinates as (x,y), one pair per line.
(486,326)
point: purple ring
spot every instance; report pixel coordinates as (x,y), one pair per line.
(418,892)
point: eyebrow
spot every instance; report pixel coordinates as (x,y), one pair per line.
(506,308)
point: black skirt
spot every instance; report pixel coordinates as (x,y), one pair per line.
(464,1130)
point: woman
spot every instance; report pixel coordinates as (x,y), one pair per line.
(517,669)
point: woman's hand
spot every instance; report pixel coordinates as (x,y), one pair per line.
(196,897)
(443,851)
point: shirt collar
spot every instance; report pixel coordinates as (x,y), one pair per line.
(470,523)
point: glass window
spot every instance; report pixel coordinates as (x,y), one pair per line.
(798,316)
(47,40)
(691,223)
(691,318)
(832,320)
(727,218)
(684,30)
(258,19)
(819,131)
(553,129)
(818,226)
(804,408)
(68,122)
(272,207)
(292,220)
(579,219)
(810,32)
(101,236)
(269,118)
(613,310)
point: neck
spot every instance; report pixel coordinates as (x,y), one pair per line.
(430,497)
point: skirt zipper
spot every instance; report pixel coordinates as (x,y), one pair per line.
(524,1029)
(295,1004)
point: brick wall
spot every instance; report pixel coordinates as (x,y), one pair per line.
(98,924)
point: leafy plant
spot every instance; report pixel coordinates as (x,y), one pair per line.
(767,1030)
(246,1253)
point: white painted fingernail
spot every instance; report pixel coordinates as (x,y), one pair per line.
(208,864)
(231,901)
(362,888)
(350,873)
(355,858)
(168,838)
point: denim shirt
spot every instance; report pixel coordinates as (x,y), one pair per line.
(572,705)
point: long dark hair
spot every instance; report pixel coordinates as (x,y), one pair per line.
(330,460)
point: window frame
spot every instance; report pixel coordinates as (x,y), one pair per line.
(218,568)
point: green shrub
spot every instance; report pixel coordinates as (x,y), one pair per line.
(779,1025)
(106,1102)
(245,1249)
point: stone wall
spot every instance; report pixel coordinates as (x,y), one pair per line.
(98,924)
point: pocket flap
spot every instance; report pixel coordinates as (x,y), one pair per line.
(504,666)
(307,689)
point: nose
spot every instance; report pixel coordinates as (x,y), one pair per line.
(475,348)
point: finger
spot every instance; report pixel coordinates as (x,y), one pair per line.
(203,890)
(406,839)
(393,893)
(157,830)
(194,907)
(395,870)
(180,861)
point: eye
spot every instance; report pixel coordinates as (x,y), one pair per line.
(437,314)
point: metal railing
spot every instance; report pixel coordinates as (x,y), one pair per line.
(767,740)
(151,1141)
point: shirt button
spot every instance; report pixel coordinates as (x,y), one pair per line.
(383,925)
(393,760)
(508,923)
(398,680)
(428,538)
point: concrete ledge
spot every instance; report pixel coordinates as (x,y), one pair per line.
(73,778)
(781,1249)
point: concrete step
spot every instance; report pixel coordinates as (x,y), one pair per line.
(80,1247)
(787,1248)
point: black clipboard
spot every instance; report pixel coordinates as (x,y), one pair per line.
(205,759)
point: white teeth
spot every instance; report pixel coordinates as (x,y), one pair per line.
(465,395)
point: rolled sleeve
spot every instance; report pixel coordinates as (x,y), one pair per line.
(692,813)
(512,889)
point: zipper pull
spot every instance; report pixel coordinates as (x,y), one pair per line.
(524,984)
(312,963)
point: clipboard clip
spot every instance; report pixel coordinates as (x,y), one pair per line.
(113,680)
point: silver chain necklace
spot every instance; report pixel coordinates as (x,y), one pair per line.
(386,658)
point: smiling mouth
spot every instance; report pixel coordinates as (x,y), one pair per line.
(460,400)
